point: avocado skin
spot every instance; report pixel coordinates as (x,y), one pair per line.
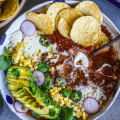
(27,92)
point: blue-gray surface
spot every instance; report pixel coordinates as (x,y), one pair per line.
(114,14)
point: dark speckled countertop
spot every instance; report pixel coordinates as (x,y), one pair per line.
(108,9)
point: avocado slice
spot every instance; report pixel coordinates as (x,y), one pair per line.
(25,90)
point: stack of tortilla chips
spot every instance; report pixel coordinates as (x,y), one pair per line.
(8,8)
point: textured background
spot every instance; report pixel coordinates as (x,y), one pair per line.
(108,9)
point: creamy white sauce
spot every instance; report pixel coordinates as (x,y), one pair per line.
(81,56)
(104,65)
(85,62)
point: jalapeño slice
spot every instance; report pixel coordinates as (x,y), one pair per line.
(59,82)
(76,96)
(45,41)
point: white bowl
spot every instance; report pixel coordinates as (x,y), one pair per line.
(5,22)
(16,25)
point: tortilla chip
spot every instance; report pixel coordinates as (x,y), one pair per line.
(89,8)
(64,28)
(102,41)
(9,9)
(41,21)
(86,31)
(54,9)
(69,14)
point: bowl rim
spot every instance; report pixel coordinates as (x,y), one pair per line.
(100,113)
(5,22)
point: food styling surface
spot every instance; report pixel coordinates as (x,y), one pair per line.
(92,69)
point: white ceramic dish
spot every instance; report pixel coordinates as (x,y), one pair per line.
(5,22)
(16,25)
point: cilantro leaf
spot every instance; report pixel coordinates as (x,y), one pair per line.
(47,101)
(65,92)
(52,112)
(16,72)
(6,51)
(43,67)
(47,85)
(66,113)
(5,62)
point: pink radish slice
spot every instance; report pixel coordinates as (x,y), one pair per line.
(39,77)
(28,28)
(91,105)
(20,108)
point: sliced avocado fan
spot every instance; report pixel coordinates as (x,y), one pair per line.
(25,90)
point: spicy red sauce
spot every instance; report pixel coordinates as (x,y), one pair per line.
(75,76)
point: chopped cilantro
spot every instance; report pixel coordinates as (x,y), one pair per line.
(43,67)
(16,72)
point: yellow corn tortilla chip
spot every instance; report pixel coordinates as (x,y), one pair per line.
(102,41)
(9,9)
(0,3)
(69,14)
(41,21)
(89,8)
(86,31)
(64,28)
(54,9)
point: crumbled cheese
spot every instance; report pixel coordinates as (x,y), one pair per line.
(32,45)
(65,53)
(91,90)
(16,37)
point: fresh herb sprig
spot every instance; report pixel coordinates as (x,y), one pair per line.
(65,92)
(16,72)
(47,85)
(5,61)
(43,67)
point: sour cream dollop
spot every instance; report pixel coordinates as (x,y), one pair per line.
(83,58)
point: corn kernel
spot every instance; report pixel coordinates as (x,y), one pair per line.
(20,64)
(32,69)
(27,56)
(54,57)
(15,61)
(36,66)
(55,88)
(59,88)
(51,48)
(75,108)
(66,99)
(62,102)
(33,60)
(10,49)
(30,65)
(21,60)
(68,104)
(55,98)
(74,114)
(84,116)
(61,98)
(69,100)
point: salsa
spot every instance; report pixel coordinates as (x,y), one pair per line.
(74,76)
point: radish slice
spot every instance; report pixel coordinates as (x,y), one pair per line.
(28,28)
(91,105)
(39,77)
(20,108)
